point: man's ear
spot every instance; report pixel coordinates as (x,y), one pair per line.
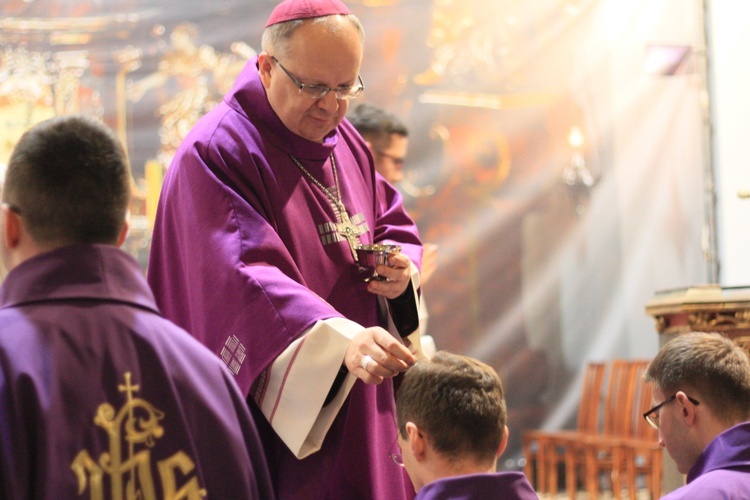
(687,409)
(264,68)
(417,442)
(12,234)
(123,233)
(503,442)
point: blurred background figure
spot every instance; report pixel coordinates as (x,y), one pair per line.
(386,136)
(388,139)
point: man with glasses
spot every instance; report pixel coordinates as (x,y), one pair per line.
(452,429)
(701,393)
(254,253)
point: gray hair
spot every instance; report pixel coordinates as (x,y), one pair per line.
(276,36)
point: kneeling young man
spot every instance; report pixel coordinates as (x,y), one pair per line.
(451,420)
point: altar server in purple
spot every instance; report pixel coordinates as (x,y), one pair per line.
(451,422)
(100,396)
(254,253)
(701,393)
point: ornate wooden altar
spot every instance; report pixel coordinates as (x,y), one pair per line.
(703,308)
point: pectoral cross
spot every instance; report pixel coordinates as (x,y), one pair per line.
(347,229)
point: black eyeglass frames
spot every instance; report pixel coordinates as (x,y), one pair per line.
(653,418)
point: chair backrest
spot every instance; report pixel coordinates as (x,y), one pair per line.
(618,404)
(591,395)
(641,428)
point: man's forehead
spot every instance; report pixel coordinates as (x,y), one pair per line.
(293,10)
(316,52)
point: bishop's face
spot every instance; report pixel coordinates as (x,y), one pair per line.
(315,56)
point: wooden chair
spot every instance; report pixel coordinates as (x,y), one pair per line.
(642,454)
(605,452)
(542,449)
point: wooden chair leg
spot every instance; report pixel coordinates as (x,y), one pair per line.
(616,472)
(541,467)
(632,477)
(530,465)
(592,473)
(571,474)
(552,463)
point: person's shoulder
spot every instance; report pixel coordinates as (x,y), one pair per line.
(219,119)
(22,330)
(510,485)
(716,484)
(350,133)
(179,342)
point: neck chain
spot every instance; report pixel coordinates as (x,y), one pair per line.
(336,200)
(345,228)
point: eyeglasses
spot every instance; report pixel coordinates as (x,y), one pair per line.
(395,159)
(313,91)
(653,418)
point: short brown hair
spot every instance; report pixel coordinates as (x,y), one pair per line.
(458,402)
(69,179)
(709,367)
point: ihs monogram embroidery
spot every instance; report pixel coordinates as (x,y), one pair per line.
(131,476)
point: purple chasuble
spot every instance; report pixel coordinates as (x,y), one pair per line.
(501,485)
(246,257)
(722,470)
(86,356)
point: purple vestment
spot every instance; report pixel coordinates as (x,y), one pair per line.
(246,257)
(722,470)
(505,485)
(84,352)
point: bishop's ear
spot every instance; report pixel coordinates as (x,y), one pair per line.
(264,68)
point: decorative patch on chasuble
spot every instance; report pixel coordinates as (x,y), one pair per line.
(233,354)
(133,430)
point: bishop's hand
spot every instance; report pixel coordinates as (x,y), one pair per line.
(374,354)
(397,274)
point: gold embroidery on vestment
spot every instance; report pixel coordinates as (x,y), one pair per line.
(135,427)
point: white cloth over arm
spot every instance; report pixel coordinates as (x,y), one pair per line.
(301,377)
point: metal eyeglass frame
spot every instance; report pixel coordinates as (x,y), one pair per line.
(314,91)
